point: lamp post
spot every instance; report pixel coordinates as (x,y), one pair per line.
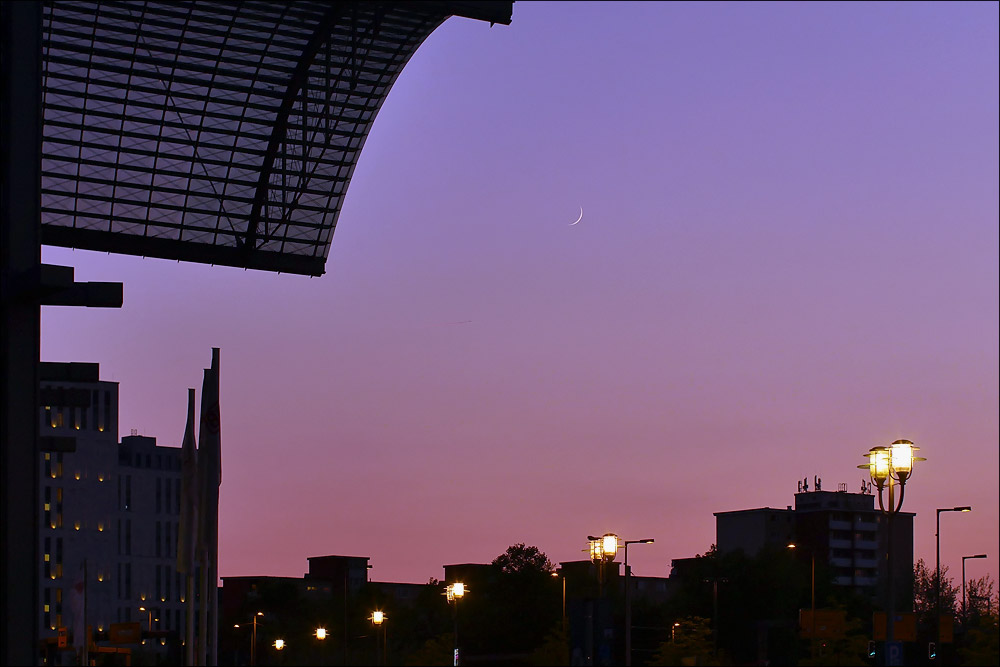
(253,638)
(937,562)
(812,598)
(673,632)
(149,622)
(603,550)
(563,577)
(321,634)
(891,466)
(378,619)
(965,611)
(455,592)
(628,601)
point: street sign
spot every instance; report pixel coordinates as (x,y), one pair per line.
(904,629)
(894,653)
(125,633)
(61,640)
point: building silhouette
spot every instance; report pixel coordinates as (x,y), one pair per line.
(109,516)
(845,532)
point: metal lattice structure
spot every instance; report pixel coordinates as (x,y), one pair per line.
(224,133)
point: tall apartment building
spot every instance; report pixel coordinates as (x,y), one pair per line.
(845,532)
(109,509)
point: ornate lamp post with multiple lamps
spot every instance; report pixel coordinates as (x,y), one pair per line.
(890,467)
(603,550)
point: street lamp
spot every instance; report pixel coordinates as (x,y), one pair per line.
(937,562)
(378,618)
(455,592)
(149,623)
(965,611)
(279,644)
(812,597)
(253,638)
(891,466)
(673,632)
(628,600)
(603,550)
(563,577)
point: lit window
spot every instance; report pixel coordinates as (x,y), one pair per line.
(47,558)
(46,609)
(48,507)
(48,457)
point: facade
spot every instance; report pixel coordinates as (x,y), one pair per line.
(845,532)
(109,514)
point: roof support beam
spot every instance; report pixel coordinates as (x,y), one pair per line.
(280,129)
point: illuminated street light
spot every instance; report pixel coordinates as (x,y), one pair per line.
(563,577)
(812,597)
(253,638)
(320,633)
(964,607)
(279,644)
(455,592)
(891,466)
(603,550)
(379,618)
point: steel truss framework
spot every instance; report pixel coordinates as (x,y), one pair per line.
(215,132)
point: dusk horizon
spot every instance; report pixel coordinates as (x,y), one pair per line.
(610,268)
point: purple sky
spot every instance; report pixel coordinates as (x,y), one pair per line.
(788,255)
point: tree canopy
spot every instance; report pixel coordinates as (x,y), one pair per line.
(521,559)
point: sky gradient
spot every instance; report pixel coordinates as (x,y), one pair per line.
(788,255)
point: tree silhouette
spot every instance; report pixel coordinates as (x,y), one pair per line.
(523,560)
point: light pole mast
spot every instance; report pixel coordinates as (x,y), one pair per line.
(891,466)
(628,601)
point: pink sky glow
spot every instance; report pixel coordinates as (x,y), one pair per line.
(788,255)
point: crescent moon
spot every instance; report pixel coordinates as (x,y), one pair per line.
(578,219)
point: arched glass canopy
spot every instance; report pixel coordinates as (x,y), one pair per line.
(215,132)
